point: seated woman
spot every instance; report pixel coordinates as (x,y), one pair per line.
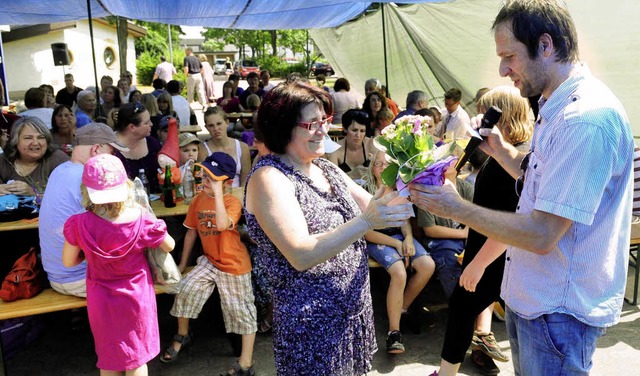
(165,106)
(373,103)
(86,108)
(110,99)
(135,96)
(357,148)
(50,102)
(150,102)
(395,249)
(28,158)
(134,130)
(228,102)
(215,120)
(343,99)
(63,126)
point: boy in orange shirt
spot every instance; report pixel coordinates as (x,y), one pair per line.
(213,216)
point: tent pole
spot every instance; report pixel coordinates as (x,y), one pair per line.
(170,45)
(93,53)
(384,49)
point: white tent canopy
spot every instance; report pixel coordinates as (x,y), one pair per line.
(432,45)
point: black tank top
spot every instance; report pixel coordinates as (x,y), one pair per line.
(345,167)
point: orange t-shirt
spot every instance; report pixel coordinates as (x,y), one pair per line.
(393,107)
(223,248)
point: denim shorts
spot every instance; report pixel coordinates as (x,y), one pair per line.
(387,256)
(551,344)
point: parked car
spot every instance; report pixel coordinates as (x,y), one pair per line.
(244,67)
(220,67)
(322,68)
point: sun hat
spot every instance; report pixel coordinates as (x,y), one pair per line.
(98,133)
(106,179)
(187,138)
(220,166)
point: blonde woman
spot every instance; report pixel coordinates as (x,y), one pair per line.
(396,249)
(216,123)
(484,259)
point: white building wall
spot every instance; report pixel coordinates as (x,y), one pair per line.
(29,62)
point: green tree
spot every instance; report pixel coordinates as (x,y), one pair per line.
(156,42)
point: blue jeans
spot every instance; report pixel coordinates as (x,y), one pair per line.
(551,344)
(443,252)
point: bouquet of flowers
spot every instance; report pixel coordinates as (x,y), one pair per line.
(412,153)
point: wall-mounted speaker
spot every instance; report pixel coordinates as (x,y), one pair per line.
(60,54)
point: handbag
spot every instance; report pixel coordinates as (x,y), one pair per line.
(24,280)
(163,267)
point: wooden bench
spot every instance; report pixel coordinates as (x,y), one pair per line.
(49,300)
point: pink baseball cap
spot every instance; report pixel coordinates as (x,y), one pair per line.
(106,179)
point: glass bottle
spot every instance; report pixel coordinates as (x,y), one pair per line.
(167,189)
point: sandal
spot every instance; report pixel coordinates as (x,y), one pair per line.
(237,370)
(170,354)
(264,326)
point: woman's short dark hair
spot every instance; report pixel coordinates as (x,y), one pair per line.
(530,19)
(280,111)
(341,84)
(358,116)
(56,111)
(129,113)
(11,149)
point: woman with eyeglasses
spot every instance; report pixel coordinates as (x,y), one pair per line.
(396,250)
(216,122)
(484,259)
(357,146)
(308,219)
(134,130)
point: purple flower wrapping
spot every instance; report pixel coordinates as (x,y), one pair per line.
(432,175)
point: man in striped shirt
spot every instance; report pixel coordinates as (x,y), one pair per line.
(565,270)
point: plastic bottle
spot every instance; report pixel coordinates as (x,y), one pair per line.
(188,185)
(145,182)
(167,189)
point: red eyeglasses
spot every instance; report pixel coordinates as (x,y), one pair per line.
(315,125)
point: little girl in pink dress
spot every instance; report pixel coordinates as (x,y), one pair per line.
(112,235)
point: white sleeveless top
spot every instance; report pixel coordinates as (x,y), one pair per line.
(236,178)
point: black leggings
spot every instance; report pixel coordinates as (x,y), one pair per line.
(464,307)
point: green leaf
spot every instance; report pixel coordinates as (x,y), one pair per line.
(407,173)
(389,175)
(383,141)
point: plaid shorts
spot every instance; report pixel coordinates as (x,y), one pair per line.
(236,297)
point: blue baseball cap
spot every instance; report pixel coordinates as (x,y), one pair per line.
(220,166)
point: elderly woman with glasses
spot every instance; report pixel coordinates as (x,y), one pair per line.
(308,219)
(357,147)
(29,158)
(484,259)
(134,130)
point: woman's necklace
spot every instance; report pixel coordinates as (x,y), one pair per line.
(24,169)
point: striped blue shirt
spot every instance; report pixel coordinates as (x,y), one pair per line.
(580,168)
